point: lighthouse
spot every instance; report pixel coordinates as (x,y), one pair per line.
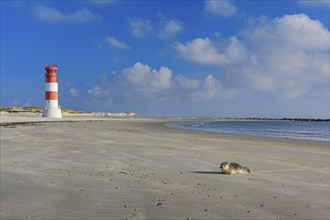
(51,109)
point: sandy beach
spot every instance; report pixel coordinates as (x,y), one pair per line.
(136,168)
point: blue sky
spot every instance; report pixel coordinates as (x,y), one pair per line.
(170,58)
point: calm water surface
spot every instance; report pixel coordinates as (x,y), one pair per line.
(304,130)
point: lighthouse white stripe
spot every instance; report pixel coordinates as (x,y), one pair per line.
(52,103)
(52,87)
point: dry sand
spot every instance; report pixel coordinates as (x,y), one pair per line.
(139,169)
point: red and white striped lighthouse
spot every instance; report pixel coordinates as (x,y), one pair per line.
(51,109)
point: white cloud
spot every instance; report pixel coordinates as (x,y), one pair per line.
(96,90)
(206,52)
(113,42)
(288,55)
(158,84)
(143,84)
(162,78)
(210,89)
(101,93)
(222,8)
(295,31)
(186,82)
(73,92)
(142,28)
(302,32)
(260,81)
(139,27)
(169,28)
(49,14)
(147,79)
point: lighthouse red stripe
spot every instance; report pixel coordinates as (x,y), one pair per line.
(51,95)
(51,79)
(51,76)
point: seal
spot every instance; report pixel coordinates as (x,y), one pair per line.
(234,168)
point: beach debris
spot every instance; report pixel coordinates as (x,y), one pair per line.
(159,202)
(134,212)
(115,114)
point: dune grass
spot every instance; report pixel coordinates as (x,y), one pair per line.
(34,109)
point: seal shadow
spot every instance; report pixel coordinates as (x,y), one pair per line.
(207,172)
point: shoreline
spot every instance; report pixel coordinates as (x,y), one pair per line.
(133,114)
(13,119)
(137,168)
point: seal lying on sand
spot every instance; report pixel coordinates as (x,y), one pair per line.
(234,168)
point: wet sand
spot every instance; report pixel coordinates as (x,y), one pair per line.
(136,168)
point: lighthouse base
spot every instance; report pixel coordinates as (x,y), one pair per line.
(52,113)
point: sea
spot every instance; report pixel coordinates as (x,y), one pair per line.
(303,130)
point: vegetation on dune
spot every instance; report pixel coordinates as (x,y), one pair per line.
(11,108)
(33,109)
(68,110)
